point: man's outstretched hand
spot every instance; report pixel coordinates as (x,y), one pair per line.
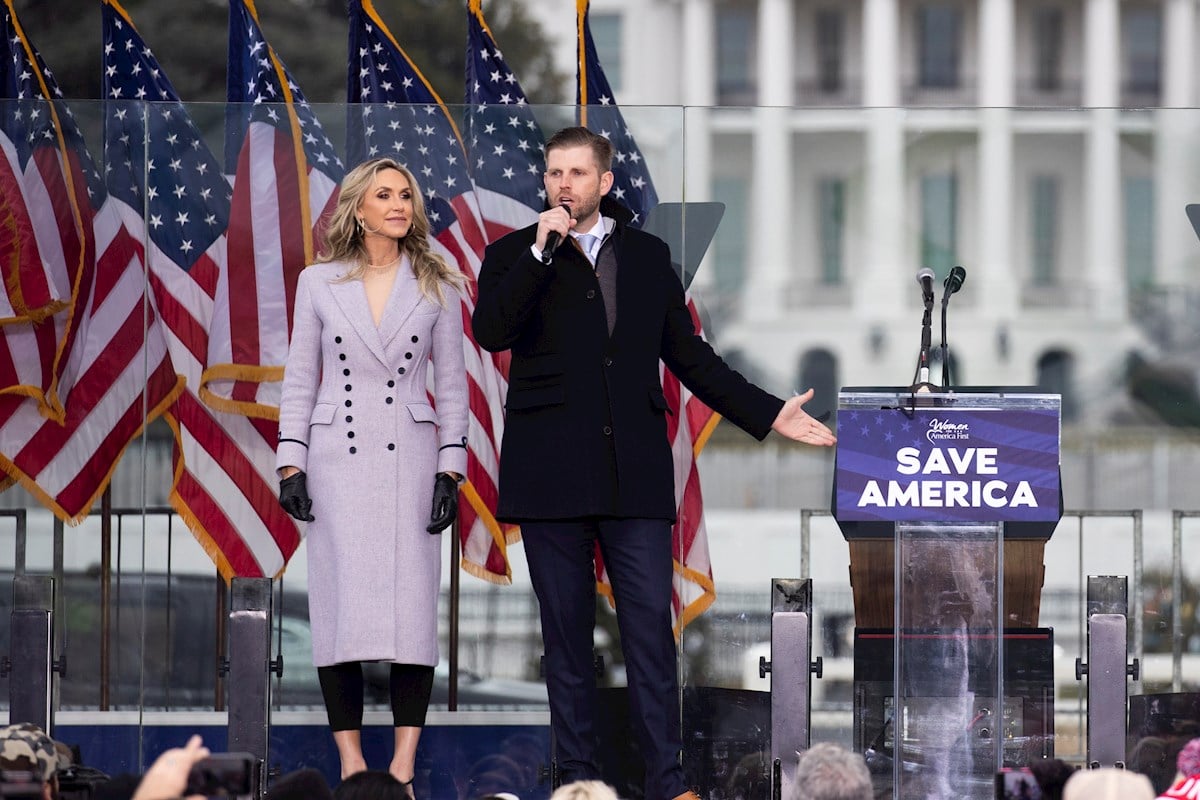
(795,423)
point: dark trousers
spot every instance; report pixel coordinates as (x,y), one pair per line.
(637,555)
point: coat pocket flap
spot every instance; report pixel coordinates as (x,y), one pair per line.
(322,414)
(422,412)
(534,396)
(658,401)
(541,366)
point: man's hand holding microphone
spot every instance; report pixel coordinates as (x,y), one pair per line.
(554,226)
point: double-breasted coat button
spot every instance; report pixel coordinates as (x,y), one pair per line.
(350,435)
(591,293)
(391,384)
(341,356)
(607,431)
(408,355)
(348,387)
(401,370)
(349,418)
(348,404)
(389,401)
(353,450)
(346,372)
(337,339)
(391,446)
(414,338)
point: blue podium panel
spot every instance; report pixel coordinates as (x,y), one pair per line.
(931,486)
(958,457)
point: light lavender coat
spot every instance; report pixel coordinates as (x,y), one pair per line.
(355,416)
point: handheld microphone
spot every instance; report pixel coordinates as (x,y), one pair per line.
(954,281)
(553,238)
(925,278)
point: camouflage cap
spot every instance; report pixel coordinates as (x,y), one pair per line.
(26,747)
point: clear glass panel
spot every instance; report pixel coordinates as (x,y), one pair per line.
(808,278)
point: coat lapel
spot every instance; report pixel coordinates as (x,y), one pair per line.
(351,298)
(405,296)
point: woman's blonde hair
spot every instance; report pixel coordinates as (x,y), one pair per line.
(585,790)
(343,237)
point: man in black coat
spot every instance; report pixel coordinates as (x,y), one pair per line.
(588,306)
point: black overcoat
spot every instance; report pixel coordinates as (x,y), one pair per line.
(585,428)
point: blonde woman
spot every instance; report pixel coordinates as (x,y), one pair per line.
(363,455)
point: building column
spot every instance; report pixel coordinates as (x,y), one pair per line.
(699,61)
(770,215)
(1103,223)
(771,190)
(1105,261)
(997,42)
(998,283)
(881,53)
(1101,40)
(886,258)
(883,276)
(699,94)
(1176,131)
(776,43)
(1179,34)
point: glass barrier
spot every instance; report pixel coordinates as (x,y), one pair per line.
(797,233)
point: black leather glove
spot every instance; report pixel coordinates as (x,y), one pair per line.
(293,496)
(445,503)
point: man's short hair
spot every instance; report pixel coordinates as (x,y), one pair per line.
(831,772)
(25,747)
(602,148)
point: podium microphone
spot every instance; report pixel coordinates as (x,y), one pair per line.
(952,284)
(552,239)
(925,279)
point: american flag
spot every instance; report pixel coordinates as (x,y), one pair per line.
(171,192)
(598,111)
(286,175)
(504,140)
(110,372)
(396,113)
(693,588)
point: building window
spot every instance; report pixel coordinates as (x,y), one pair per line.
(1047,45)
(939,29)
(606,34)
(1139,232)
(818,371)
(1143,39)
(1055,375)
(729,246)
(829,28)
(939,222)
(736,50)
(1044,226)
(831,204)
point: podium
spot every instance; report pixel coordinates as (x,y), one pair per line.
(946,500)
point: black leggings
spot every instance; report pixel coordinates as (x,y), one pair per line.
(342,687)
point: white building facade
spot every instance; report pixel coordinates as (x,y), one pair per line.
(1048,146)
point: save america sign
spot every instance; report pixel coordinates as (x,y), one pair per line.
(938,464)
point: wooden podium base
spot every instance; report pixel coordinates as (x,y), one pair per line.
(929,584)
